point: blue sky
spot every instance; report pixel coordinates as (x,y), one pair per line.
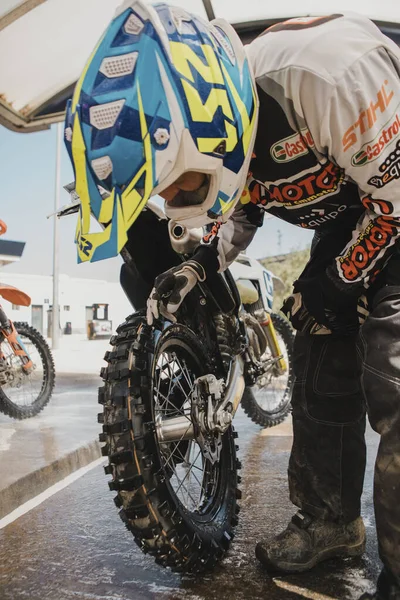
(27,168)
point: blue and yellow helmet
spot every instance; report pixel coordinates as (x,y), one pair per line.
(164,92)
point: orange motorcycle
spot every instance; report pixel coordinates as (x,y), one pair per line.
(27,373)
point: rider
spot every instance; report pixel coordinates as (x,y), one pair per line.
(304,124)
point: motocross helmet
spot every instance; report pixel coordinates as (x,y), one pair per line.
(163,93)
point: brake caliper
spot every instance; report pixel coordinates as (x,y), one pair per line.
(207,394)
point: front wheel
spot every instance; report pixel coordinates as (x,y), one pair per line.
(26,394)
(178,500)
(267,403)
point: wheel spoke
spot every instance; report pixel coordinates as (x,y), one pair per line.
(186,374)
(189,471)
(189,474)
(25,389)
(271,394)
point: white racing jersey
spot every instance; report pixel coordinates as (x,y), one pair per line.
(327,152)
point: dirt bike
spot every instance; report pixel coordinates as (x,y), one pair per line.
(267,402)
(171,391)
(26,365)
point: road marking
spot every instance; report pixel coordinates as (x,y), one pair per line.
(57,487)
(302,591)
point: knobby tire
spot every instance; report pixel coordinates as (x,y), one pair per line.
(161,526)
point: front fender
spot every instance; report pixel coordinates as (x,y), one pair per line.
(14,295)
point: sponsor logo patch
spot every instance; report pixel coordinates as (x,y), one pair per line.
(390,169)
(303,188)
(378,206)
(292,147)
(378,235)
(368,116)
(318,217)
(211,235)
(373,149)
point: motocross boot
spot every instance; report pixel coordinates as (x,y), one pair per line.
(387,588)
(307,541)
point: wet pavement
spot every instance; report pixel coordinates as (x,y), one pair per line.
(61,438)
(38,452)
(65,424)
(74,546)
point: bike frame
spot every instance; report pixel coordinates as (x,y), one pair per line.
(149,252)
(250,269)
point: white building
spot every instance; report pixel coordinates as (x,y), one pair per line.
(76,299)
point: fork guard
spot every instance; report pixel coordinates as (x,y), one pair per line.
(11,334)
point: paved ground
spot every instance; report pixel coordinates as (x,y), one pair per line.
(69,421)
(37,452)
(74,546)
(66,423)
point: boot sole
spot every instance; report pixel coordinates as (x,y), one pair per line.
(287,567)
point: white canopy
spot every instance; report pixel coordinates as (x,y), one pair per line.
(238,11)
(44,44)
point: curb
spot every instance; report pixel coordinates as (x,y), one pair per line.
(37,482)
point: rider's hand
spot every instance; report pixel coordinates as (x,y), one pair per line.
(327,305)
(170,289)
(295,310)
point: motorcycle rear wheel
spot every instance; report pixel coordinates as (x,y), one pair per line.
(257,402)
(157,481)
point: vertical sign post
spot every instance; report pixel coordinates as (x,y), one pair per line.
(55,316)
(209,9)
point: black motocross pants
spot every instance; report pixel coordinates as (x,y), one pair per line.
(338,380)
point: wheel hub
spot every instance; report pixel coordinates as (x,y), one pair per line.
(205,426)
(9,375)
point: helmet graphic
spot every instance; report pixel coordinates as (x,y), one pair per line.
(163,93)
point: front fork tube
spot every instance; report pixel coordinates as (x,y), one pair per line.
(266,323)
(176,429)
(8,331)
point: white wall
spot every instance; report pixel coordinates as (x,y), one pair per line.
(74,292)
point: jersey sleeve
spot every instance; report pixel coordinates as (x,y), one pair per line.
(234,236)
(359,129)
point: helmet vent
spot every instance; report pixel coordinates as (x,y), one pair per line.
(221,148)
(102,166)
(103,116)
(133,25)
(118,66)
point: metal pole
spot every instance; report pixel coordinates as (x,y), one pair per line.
(55,325)
(209,9)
